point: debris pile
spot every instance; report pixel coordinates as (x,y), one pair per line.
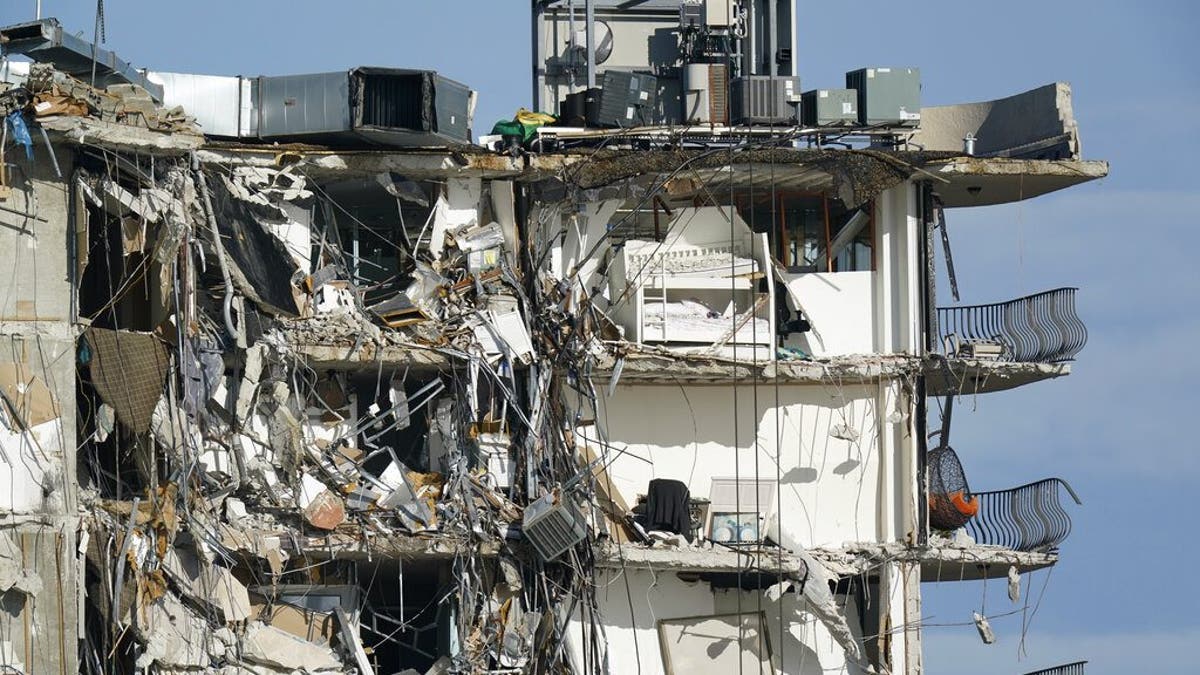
(254,506)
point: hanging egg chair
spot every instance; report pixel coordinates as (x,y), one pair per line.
(951,503)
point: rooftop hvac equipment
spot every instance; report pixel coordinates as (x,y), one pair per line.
(706,95)
(553,525)
(626,100)
(45,41)
(829,108)
(382,105)
(222,106)
(719,13)
(763,100)
(887,96)
(577,108)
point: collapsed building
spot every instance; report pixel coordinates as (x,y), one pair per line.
(344,392)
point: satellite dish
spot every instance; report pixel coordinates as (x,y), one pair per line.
(577,51)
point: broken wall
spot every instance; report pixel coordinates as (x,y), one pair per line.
(1035,124)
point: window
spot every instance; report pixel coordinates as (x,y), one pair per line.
(802,227)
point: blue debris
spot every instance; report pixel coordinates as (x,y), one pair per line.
(20,132)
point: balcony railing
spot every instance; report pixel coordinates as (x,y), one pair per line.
(1069,669)
(1041,328)
(1026,518)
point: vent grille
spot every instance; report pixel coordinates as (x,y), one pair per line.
(399,101)
(728,494)
(763,99)
(553,527)
(718,93)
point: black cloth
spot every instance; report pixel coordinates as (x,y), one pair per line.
(667,507)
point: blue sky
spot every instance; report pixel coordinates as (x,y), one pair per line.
(1125,593)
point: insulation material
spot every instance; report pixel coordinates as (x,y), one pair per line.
(129,370)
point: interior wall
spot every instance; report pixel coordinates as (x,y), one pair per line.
(840,306)
(695,433)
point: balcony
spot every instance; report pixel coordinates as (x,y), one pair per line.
(1040,328)
(1067,669)
(1029,518)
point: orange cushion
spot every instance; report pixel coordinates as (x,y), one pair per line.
(967,508)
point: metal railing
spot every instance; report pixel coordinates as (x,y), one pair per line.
(1026,518)
(1041,328)
(1068,669)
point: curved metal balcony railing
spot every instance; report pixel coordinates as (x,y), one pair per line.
(1068,669)
(1040,328)
(1026,518)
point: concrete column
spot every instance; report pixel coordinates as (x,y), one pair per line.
(898,270)
(900,617)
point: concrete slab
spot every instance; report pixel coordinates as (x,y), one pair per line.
(974,181)
(975,376)
(938,563)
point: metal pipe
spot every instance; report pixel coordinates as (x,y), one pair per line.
(210,215)
(50,149)
(590,14)
(751,52)
(535,27)
(772,36)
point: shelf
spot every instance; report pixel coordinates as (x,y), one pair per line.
(699,283)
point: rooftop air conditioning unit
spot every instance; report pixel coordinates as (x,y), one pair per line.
(626,100)
(829,108)
(763,100)
(553,525)
(888,97)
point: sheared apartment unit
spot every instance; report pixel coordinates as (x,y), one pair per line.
(301,375)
